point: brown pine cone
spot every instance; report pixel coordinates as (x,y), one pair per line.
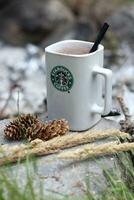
(27,120)
(127,126)
(48,130)
(29,126)
(16,130)
(34,131)
(124,125)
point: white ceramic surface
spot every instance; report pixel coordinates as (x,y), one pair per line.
(74,85)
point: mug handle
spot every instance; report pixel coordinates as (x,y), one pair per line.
(107,74)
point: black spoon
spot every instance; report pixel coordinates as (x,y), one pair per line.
(100,36)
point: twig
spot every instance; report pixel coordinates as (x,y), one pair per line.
(124,108)
(18,102)
(90,151)
(127,125)
(6,104)
(38,147)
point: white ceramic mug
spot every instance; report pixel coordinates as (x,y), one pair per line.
(74,84)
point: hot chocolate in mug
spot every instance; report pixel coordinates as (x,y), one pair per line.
(75,80)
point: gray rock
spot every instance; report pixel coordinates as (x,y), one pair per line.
(122,23)
(22,69)
(45,15)
(32,20)
(69,177)
(79,30)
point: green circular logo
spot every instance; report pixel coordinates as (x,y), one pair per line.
(62,78)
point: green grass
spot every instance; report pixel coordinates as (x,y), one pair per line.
(119,186)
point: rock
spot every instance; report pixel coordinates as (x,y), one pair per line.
(45,15)
(23,72)
(31,20)
(128,97)
(68,177)
(79,30)
(122,23)
(124,76)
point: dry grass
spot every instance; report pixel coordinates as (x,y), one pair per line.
(38,147)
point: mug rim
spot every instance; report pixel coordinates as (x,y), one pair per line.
(49,49)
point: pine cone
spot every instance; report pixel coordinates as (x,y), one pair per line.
(16,130)
(34,131)
(29,126)
(48,130)
(27,120)
(127,126)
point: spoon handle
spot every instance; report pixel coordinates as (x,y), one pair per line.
(100,36)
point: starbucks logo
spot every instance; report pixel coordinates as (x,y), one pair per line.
(62,78)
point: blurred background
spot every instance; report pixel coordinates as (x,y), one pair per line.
(28,26)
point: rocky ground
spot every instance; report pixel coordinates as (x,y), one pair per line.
(23,81)
(32,25)
(63,178)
